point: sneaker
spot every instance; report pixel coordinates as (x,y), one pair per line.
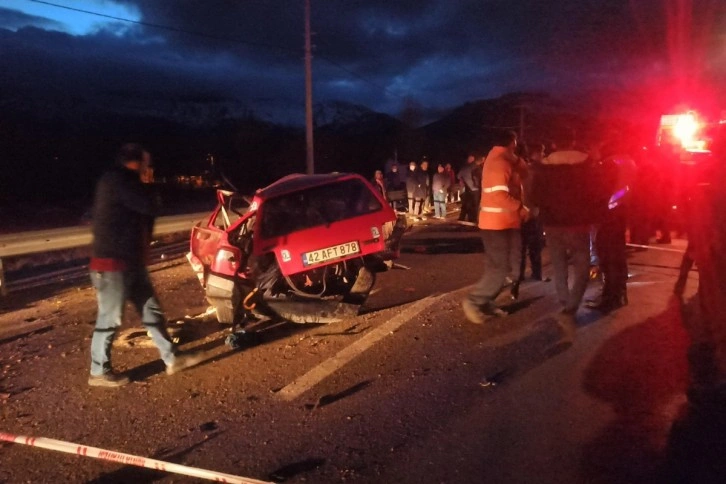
(184,361)
(108,379)
(478,315)
(472,312)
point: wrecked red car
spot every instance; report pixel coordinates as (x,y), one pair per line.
(304,249)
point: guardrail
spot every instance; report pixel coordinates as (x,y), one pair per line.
(32,242)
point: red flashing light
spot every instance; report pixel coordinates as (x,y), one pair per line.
(685,130)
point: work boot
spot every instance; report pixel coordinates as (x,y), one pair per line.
(108,379)
(608,303)
(184,361)
(478,315)
(472,312)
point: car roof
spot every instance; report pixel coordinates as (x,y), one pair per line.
(297,182)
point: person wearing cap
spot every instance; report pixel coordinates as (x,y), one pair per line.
(122,225)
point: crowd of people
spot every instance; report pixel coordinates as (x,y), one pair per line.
(417,190)
(515,195)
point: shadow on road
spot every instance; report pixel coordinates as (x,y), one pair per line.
(332,398)
(445,238)
(642,373)
(291,470)
(697,442)
(697,446)
(140,474)
(264,332)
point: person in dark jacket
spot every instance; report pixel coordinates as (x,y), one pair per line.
(378,182)
(123,219)
(440,189)
(416,186)
(428,199)
(395,188)
(470,178)
(567,190)
(532,230)
(618,173)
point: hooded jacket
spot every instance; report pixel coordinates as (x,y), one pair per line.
(570,190)
(501,190)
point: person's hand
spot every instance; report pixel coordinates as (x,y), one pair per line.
(524,213)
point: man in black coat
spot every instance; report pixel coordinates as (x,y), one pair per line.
(416,186)
(568,190)
(470,177)
(123,219)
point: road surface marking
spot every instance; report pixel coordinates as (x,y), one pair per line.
(331,365)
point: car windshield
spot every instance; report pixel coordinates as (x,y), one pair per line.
(321,205)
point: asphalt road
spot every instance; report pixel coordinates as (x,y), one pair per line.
(408,391)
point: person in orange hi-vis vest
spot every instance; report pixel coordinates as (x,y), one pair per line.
(500,218)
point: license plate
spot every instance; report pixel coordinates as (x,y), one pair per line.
(335,252)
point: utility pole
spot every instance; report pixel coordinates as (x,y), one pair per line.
(308,93)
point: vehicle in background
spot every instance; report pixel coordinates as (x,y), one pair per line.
(304,249)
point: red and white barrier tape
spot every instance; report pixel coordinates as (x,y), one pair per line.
(126,459)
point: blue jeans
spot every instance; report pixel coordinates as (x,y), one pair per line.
(569,246)
(112,291)
(503,253)
(440,205)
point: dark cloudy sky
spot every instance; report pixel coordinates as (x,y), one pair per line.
(378,53)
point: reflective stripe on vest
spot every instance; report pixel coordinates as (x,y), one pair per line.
(496,188)
(496,210)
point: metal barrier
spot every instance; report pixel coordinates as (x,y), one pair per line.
(33,242)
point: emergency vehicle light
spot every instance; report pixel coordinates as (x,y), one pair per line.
(685,129)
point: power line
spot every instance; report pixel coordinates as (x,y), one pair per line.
(216,37)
